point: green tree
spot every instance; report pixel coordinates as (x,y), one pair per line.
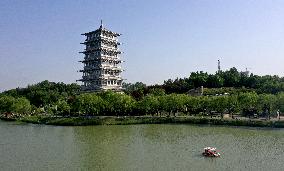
(231,78)
(45,92)
(88,104)
(248,102)
(157,92)
(193,105)
(173,103)
(219,103)
(6,104)
(267,103)
(215,81)
(149,105)
(22,106)
(63,107)
(198,78)
(280,102)
(233,104)
(117,103)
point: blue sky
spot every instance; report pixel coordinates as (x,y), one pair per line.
(40,39)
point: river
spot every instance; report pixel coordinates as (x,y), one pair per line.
(138,147)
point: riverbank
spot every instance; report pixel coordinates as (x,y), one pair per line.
(128,120)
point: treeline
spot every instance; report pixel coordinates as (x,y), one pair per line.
(231,79)
(111,103)
(120,104)
(44,93)
(246,94)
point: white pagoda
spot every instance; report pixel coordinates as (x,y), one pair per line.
(101,62)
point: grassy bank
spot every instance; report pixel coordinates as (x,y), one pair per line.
(112,120)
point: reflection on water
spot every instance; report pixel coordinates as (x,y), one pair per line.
(138,147)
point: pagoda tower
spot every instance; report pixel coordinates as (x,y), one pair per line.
(101,62)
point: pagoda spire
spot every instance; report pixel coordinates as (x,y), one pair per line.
(101,24)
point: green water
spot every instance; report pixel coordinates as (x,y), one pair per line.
(138,147)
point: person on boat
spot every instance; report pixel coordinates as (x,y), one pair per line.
(210,152)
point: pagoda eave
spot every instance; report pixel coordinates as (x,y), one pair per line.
(101,30)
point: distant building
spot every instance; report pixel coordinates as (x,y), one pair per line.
(101,62)
(246,73)
(196,92)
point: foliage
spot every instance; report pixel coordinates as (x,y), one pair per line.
(117,103)
(232,79)
(280,102)
(45,92)
(10,104)
(21,105)
(149,105)
(157,92)
(136,90)
(6,103)
(87,104)
(79,121)
(229,91)
(63,107)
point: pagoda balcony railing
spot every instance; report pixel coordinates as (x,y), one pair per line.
(110,65)
(86,77)
(103,56)
(111,76)
(88,67)
(93,69)
(106,87)
(103,47)
(116,51)
(109,38)
(118,68)
(97,39)
(98,59)
(104,66)
(112,57)
(101,37)
(110,47)
(91,77)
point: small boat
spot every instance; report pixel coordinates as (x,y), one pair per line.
(210,152)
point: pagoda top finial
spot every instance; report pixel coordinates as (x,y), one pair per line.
(101,24)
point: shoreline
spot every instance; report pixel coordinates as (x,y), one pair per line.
(131,120)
